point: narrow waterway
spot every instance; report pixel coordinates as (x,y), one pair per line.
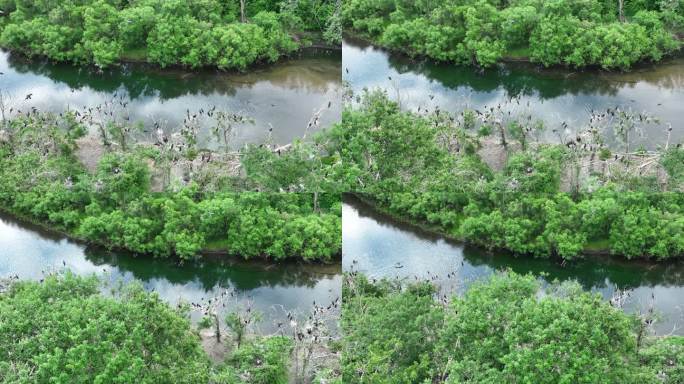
(379,246)
(283,96)
(555,95)
(273,289)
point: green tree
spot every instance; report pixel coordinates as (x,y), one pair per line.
(63,330)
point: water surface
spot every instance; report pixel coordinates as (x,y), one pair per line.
(273,289)
(283,96)
(555,95)
(382,247)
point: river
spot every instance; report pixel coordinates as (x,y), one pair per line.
(379,246)
(273,289)
(554,95)
(283,96)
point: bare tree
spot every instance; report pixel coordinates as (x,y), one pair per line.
(5,109)
(242,11)
(224,126)
(242,320)
(211,309)
(311,336)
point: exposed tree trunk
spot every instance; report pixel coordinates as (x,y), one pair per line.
(217,329)
(317,209)
(502,135)
(238,339)
(621,10)
(242,10)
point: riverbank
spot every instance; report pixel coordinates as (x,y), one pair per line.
(180,33)
(113,203)
(481,176)
(213,255)
(481,35)
(139,56)
(282,97)
(271,288)
(515,56)
(382,248)
(435,231)
(219,251)
(598,248)
(552,96)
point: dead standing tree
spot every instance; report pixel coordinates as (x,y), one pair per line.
(311,335)
(239,321)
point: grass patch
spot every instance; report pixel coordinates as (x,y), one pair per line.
(134,54)
(598,246)
(217,245)
(522,52)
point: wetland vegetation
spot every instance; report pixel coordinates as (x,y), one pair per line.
(559,241)
(114,204)
(170,208)
(606,33)
(559,187)
(480,176)
(506,328)
(223,34)
(67,328)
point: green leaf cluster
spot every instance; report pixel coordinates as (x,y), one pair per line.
(191,33)
(41,179)
(64,331)
(400,162)
(506,328)
(482,32)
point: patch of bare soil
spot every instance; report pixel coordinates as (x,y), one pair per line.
(493,153)
(581,172)
(89,151)
(203,169)
(216,351)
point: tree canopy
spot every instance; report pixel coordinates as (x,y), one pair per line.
(482,32)
(431,168)
(115,206)
(66,329)
(178,32)
(63,330)
(506,328)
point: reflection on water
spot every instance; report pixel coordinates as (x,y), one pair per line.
(381,247)
(554,95)
(30,252)
(284,95)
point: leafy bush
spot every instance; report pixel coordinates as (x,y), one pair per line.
(184,32)
(62,329)
(521,207)
(481,32)
(506,328)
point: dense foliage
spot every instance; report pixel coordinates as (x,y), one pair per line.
(42,179)
(63,330)
(427,168)
(481,32)
(503,330)
(262,362)
(190,33)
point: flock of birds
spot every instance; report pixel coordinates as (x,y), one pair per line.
(495,114)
